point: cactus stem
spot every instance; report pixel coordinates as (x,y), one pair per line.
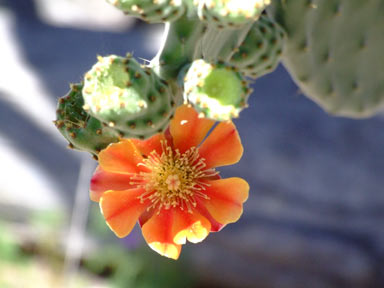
(215,42)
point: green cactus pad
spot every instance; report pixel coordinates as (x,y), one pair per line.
(83,131)
(152,11)
(260,52)
(230,13)
(131,98)
(217,91)
(334,52)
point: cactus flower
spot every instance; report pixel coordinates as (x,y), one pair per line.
(168,183)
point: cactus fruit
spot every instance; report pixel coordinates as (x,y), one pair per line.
(152,11)
(217,91)
(83,131)
(230,13)
(334,52)
(128,97)
(261,50)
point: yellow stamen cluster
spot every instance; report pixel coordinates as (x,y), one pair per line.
(174,179)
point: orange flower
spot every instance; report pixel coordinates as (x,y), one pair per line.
(168,183)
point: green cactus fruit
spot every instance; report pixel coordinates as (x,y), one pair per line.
(217,91)
(83,131)
(152,11)
(230,13)
(127,96)
(261,50)
(334,51)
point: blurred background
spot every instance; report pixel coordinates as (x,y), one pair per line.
(315,213)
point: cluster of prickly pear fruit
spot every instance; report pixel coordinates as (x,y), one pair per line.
(198,64)
(212,48)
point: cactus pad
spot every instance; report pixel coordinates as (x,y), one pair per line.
(261,50)
(152,11)
(217,91)
(131,98)
(334,52)
(230,13)
(83,131)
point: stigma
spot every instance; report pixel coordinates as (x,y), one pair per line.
(173,182)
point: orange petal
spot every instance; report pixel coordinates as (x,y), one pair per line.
(226,198)
(187,129)
(121,157)
(215,226)
(166,249)
(103,181)
(121,210)
(159,234)
(149,145)
(190,226)
(146,216)
(222,147)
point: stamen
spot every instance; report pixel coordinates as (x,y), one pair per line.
(174,180)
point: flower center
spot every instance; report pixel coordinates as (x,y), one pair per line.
(174,180)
